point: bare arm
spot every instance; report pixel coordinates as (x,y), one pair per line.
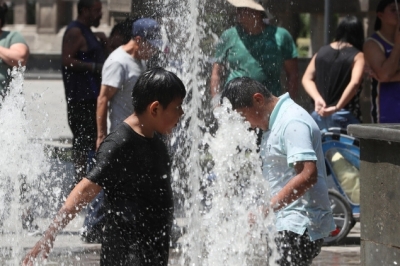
(292,75)
(18,52)
(106,93)
(215,82)
(384,68)
(83,193)
(74,42)
(310,87)
(306,177)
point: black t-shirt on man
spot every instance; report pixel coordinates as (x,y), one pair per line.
(134,172)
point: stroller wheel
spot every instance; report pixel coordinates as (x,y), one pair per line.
(342,216)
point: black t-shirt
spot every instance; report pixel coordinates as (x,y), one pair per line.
(333,72)
(134,172)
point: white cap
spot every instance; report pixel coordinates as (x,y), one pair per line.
(247,3)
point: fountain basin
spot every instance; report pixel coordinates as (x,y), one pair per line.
(380,197)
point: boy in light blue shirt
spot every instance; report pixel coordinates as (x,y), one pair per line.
(293,164)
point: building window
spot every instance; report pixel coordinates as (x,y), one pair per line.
(31,12)
(10,13)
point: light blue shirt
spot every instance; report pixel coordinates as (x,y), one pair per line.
(293,136)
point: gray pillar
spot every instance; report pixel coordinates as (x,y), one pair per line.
(379,192)
(327,21)
(105,19)
(74,10)
(19,11)
(47,16)
(364,5)
(317,31)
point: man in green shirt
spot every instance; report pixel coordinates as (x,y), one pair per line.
(256,50)
(13,49)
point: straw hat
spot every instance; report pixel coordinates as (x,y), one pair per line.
(247,3)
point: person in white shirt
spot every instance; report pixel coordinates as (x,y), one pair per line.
(120,73)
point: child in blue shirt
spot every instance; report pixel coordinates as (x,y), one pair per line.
(293,164)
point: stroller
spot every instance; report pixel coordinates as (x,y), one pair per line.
(342,159)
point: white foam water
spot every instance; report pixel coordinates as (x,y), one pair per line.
(23,190)
(237,191)
(217,176)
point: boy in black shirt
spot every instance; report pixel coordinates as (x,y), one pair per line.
(133,168)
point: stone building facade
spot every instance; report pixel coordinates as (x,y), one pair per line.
(40,21)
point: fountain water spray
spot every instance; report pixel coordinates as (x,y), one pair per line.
(217,176)
(237,191)
(187,169)
(24,189)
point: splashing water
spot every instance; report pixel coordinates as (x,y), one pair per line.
(217,177)
(181,21)
(23,163)
(237,191)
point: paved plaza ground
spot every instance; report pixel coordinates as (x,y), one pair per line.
(70,250)
(46,108)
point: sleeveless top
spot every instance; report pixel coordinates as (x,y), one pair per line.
(333,72)
(84,85)
(385,96)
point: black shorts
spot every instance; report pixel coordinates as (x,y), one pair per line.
(124,247)
(82,121)
(296,249)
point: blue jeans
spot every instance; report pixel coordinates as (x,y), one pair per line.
(341,119)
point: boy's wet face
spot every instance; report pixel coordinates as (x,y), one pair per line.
(169,116)
(255,116)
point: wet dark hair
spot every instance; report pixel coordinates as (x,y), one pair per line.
(351,30)
(3,13)
(240,91)
(85,4)
(124,28)
(156,84)
(380,8)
